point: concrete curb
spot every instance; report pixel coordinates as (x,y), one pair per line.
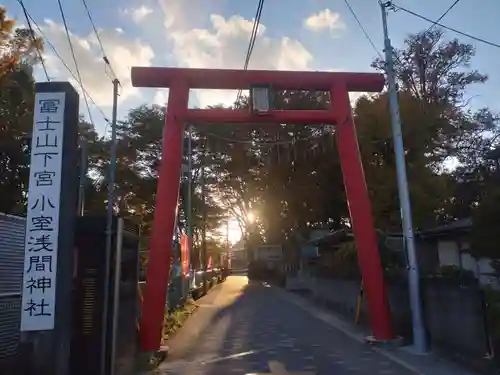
(395,343)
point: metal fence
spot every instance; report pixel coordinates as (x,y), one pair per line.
(12,229)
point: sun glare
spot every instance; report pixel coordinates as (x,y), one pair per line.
(233,231)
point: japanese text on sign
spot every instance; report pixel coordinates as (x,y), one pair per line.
(42,222)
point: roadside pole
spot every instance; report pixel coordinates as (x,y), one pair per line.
(419,335)
(109,216)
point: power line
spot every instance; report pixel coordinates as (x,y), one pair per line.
(104,56)
(54,49)
(443,15)
(74,59)
(262,144)
(34,40)
(253,37)
(446,27)
(363,29)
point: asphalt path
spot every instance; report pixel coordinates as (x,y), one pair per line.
(246,327)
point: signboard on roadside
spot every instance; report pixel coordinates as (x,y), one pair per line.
(42,221)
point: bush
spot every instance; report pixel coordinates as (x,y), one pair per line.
(457,274)
(344,262)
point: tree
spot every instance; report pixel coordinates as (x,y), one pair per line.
(20,47)
(428,188)
(138,158)
(95,193)
(298,184)
(433,75)
(17,59)
(486,221)
(437,73)
(266,168)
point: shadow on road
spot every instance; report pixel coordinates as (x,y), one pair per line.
(232,330)
(251,332)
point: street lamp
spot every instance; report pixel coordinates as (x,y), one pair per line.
(260,98)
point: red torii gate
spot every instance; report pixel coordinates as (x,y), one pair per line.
(180,81)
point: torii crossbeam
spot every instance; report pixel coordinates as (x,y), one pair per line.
(180,81)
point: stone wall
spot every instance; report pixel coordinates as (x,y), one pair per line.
(454,314)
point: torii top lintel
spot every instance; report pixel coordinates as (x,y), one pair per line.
(231,79)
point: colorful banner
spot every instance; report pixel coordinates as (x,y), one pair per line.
(184,255)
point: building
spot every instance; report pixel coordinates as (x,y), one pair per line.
(238,254)
(444,245)
(450,244)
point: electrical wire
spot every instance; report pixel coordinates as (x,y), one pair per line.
(253,37)
(58,55)
(104,56)
(443,15)
(74,59)
(363,29)
(397,7)
(40,56)
(262,144)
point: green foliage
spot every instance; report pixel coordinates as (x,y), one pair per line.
(455,273)
(344,263)
(486,221)
(17,57)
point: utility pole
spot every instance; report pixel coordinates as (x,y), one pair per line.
(204,216)
(227,235)
(109,220)
(189,198)
(83,174)
(419,332)
(188,208)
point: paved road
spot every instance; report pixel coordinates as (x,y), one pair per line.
(243,328)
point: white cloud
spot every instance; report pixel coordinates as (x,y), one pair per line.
(138,14)
(122,53)
(324,20)
(161,97)
(221,44)
(354,97)
(224,45)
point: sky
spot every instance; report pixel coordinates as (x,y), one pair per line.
(295,35)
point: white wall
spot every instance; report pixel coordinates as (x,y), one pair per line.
(452,253)
(448,253)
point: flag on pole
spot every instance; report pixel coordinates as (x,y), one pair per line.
(184,255)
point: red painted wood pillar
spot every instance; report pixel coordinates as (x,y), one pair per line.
(361,215)
(167,195)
